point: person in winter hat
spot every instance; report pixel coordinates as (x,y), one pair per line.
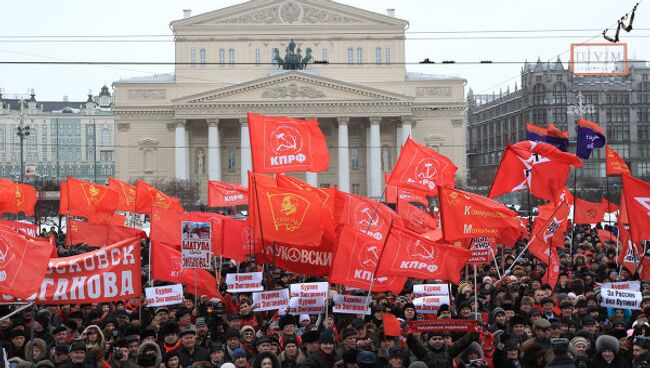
(561,358)
(607,353)
(37,349)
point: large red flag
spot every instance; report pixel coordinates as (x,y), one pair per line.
(408,255)
(364,214)
(356,260)
(148,197)
(16,198)
(394,193)
(166,266)
(222,194)
(637,202)
(282,144)
(466,215)
(98,235)
(588,212)
(414,218)
(540,243)
(93,201)
(606,235)
(237,240)
(288,216)
(538,166)
(23,263)
(422,168)
(614,164)
(126,194)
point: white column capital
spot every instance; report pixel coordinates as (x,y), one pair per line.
(180,123)
(243,121)
(343,120)
(213,123)
(374,119)
(408,119)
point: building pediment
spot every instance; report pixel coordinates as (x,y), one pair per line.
(289,12)
(293,86)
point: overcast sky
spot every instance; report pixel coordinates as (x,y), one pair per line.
(122,17)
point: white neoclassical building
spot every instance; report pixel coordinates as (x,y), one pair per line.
(319,59)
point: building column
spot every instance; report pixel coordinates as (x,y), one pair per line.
(246,159)
(311,178)
(214,150)
(374,155)
(407,125)
(343,155)
(180,150)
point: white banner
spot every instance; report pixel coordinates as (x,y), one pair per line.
(309,290)
(271,300)
(430,304)
(164,295)
(244,282)
(624,299)
(196,245)
(348,304)
(625,285)
(430,290)
(302,305)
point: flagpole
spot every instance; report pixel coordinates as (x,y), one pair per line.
(381,253)
(475,295)
(496,265)
(259,218)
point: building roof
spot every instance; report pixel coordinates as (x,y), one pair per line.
(424,76)
(155,78)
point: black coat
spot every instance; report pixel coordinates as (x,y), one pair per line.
(617,362)
(320,360)
(642,361)
(186,359)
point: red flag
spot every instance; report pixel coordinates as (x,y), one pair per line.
(614,164)
(166,226)
(148,197)
(552,269)
(303,260)
(408,255)
(538,166)
(609,206)
(622,213)
(394,193)
(125,193)
(421,168)
(364,214)
(605,235)
(222,194)
(466,215)
(237,242)
(166,266)
(283,144)
(629,253)
(93,201)
(482,250)
(391,325)
(588,212)
(29,230)
(540,244)
(546,212)
(288,216)
(16,198)
(23,263)
(416,219)
(637,202)
(356,260)
(98,235)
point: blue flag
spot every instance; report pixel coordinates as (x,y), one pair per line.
(590,136)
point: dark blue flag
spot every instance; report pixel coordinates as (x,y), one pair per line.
(590,136)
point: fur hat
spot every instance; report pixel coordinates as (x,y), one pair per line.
(606,342)
(287,319)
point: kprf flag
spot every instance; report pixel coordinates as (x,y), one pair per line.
(540,167)
(416,219)
(23,263)
(289,216)
(356,260)
(467,215)
(637,201)
(237,239)
(408,255)
(588,212)
(125,193)
(282,144)
(590,136)
(148,197)
(422,168)
(614,164)
(393,193)
(364,214)
(222,194)
(95,202)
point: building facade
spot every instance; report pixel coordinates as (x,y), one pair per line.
(65,138)
(621,105)
(341,65)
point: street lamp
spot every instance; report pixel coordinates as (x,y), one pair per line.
(23,131)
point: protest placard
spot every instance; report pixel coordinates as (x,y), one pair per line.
(164,295)
(196,244)
(244,282)
(271,300)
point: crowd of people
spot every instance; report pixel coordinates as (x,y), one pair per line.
(523,323)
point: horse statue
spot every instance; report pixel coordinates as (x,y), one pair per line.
(308,58)
(276,58)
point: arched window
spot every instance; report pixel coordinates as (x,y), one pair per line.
(359,55)
(202,56)
(193,56)
(106,137)
(350,55)
(378,55)
(231,56)
(222,56)
(389,55)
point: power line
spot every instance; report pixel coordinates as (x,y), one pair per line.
(225,65)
